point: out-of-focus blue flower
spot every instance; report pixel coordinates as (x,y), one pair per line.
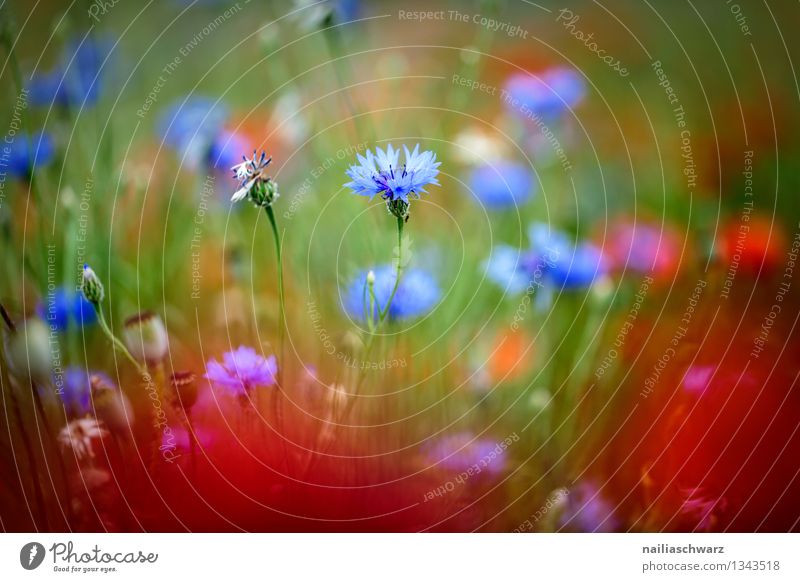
(548,94)
(585,510)
(242,370)
(565,264)
(552,261)
(462,451)
(77,81)
(381,174)
(76,389)
(63,306)
(416,295)
(505,268)
(191,126)
(226,150)
(502,184)
(316,14)
(26,153)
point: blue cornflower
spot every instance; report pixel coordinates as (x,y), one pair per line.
(62,306)
(77,81)
(547,95)
(502,184)
(552,260)
(416,295)
(505,268)
(26,153)
(381,174)
(242,370)
(190,126)
(585,510)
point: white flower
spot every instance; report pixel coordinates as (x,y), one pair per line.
(78,435)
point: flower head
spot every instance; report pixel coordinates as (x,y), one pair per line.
(78,79)
(28,153)
(184,388)
(190,126)
(552,92)
(78,434)
(502,184)
(62,305)
(91,287)
(254,182)
(75,391)
(381,174)
(416,295)
(146,337)
(242,370)
(111,405)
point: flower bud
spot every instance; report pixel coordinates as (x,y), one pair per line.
(371,278)
(145,337)
(91,287)
(184,389)
(111,405)
(28,351)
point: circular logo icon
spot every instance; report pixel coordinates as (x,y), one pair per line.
(31,555)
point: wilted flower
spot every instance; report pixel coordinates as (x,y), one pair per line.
(28,351)
(77,81)
(63,305)
(78,434)
(91,287)
(586,510)
(242,370)
(28,153)
(502,184)
(381,174)
(184,387)
(145,337)
(254,182)
(111,405)
(462,451)
(416,295)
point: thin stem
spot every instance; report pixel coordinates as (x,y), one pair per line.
(400,223)
(371,340)
(117,343)
(278,402)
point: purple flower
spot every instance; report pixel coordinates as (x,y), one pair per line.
(697,379)
(586,510)
(462,451)
(242,370)
(190,126)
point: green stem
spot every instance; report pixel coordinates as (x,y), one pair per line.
(371,340)
(400,223)
(118,344)
(278,400)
